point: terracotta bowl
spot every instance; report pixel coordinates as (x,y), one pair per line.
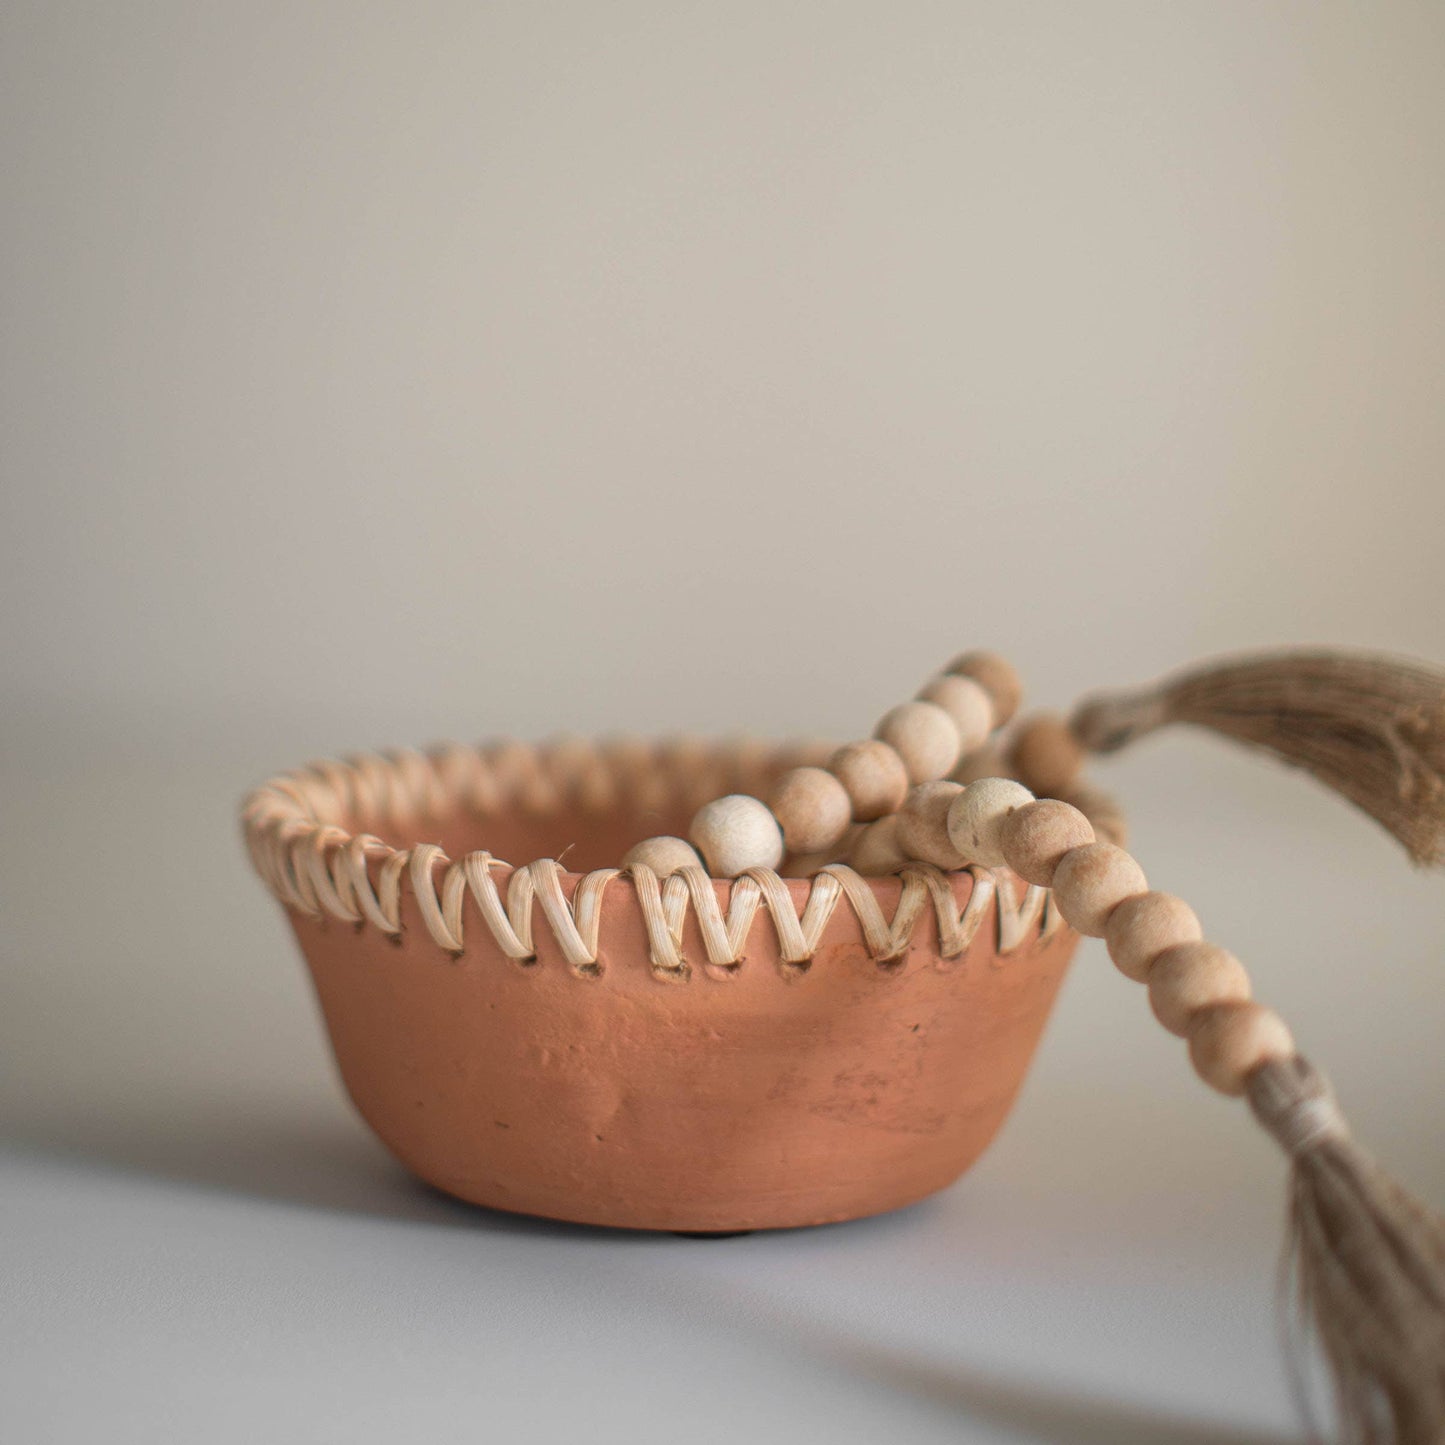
(689,1054)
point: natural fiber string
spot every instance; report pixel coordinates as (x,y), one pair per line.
(1367,1262)
(1370,727)
(1366,1259)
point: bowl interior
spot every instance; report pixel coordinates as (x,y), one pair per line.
(580,840)
(582,803)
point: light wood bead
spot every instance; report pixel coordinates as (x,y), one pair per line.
(805,865)
(985,762)
(1228,1042)
(1141,928)
(1037,835)
(923,825)
(924,736)
(874,777)
(997,677)
(812,809)
(1194,976)
(966,702)
(1103,811)
(1090,882)
(736,833)
(876,852)
(1046,755)
(664,855)
(976,818)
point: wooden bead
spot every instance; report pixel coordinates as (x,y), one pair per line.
(923,825)
(1141,928)
(970,707)
(985,762)
(874,776)
(805,865)
(736,833)
(1103,811)
(924,736)
(876,852)
(996,676)
(1046,755)
(1194,976)
(812,809)
(664,855)
(1228,1042)
(1090,882)
(1037,835)
(976,817)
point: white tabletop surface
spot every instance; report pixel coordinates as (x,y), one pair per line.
(200,1241)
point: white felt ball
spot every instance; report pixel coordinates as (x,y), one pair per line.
(736,833)
(975,820)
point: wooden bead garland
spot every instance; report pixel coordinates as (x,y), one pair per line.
(916,743)
(1367,1260)
(1197,990)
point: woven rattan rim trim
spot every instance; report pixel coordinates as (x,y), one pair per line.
(295,829)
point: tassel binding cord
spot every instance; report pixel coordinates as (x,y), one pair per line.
(1367,1260)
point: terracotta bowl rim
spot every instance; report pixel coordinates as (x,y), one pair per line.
(308,835)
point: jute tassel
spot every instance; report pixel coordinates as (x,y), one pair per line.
(1367,1260)
(1370,727)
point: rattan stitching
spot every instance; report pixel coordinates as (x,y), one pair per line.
(296,834)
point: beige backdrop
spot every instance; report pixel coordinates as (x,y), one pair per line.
(378,372)
(374,373)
